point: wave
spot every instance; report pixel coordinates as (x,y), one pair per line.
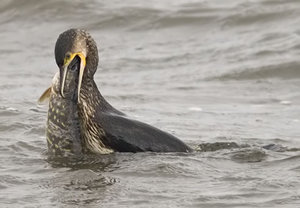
(96,14)
(288,70)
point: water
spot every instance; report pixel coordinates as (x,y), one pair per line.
(221,75)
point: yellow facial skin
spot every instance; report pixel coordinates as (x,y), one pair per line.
(68,59)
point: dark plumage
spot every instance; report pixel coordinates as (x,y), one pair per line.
(104,129)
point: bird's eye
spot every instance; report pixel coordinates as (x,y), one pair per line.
(68,56)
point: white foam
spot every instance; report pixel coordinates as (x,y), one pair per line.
(11,109)
(285,102)
(198,109)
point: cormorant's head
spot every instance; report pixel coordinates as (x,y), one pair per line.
(72,45)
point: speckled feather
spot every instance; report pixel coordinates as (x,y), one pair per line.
(63,128)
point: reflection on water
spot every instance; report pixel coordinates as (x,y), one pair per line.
(221,75)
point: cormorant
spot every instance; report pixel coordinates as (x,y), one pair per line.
(104,129)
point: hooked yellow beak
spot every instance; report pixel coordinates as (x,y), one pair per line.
(67,62)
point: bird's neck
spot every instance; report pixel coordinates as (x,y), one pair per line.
(90,103)
(91,99)
(90,96)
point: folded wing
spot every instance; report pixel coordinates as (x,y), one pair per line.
(127,135)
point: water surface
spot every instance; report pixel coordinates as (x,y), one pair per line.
(221,75)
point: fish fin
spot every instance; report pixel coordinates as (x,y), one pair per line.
(45,96)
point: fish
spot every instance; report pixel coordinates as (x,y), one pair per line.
(63,125)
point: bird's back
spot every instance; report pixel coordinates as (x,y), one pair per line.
(126,135)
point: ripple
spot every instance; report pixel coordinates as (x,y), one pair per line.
(289,70)
(8,111)
(248,155)
(8,180)
(210,147)
(81,179)
(75,162)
